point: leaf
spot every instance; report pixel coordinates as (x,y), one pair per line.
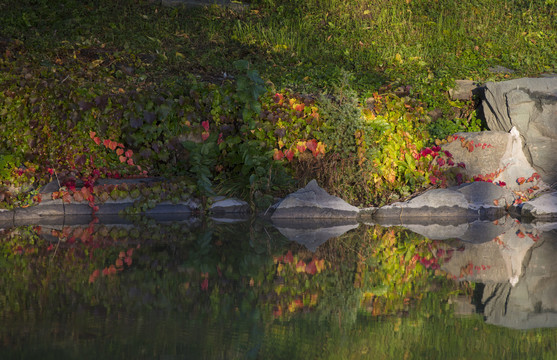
(78,196)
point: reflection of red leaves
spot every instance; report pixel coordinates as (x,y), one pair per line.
(277,311)
(119,263)
(129,252)
(205,283)
(112,270)
(128,261)
(288,258)
(311,268)
(94,276)
(320,265)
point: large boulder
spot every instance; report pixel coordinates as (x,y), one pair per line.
(530,105)
(494,156)
(313,202)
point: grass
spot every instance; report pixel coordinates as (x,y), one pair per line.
(306,44)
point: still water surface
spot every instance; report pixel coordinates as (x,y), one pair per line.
(203,289)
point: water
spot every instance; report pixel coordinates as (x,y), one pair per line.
(202,289)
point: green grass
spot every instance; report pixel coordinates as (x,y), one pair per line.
(305,44)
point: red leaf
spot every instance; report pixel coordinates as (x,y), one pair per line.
(278,154)
(289,154)
(311,145)
(520,180)
(67,198)
(78,196)
(92,134)
(119,151)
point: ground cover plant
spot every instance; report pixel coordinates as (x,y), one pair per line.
(250,100)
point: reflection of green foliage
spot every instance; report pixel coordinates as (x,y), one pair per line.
(395,270)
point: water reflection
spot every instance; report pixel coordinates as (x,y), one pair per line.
(198,288)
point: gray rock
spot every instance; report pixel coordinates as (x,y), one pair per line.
(530,105)
(543,207)
(312,202)
(495,155)
(221,206)
(476,232)
(477,200)
(498,69)
(463,90)
(310,233)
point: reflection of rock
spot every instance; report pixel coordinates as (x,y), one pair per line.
(312,234)
(312,202)
(475,232)
(532,302)
(497,261)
